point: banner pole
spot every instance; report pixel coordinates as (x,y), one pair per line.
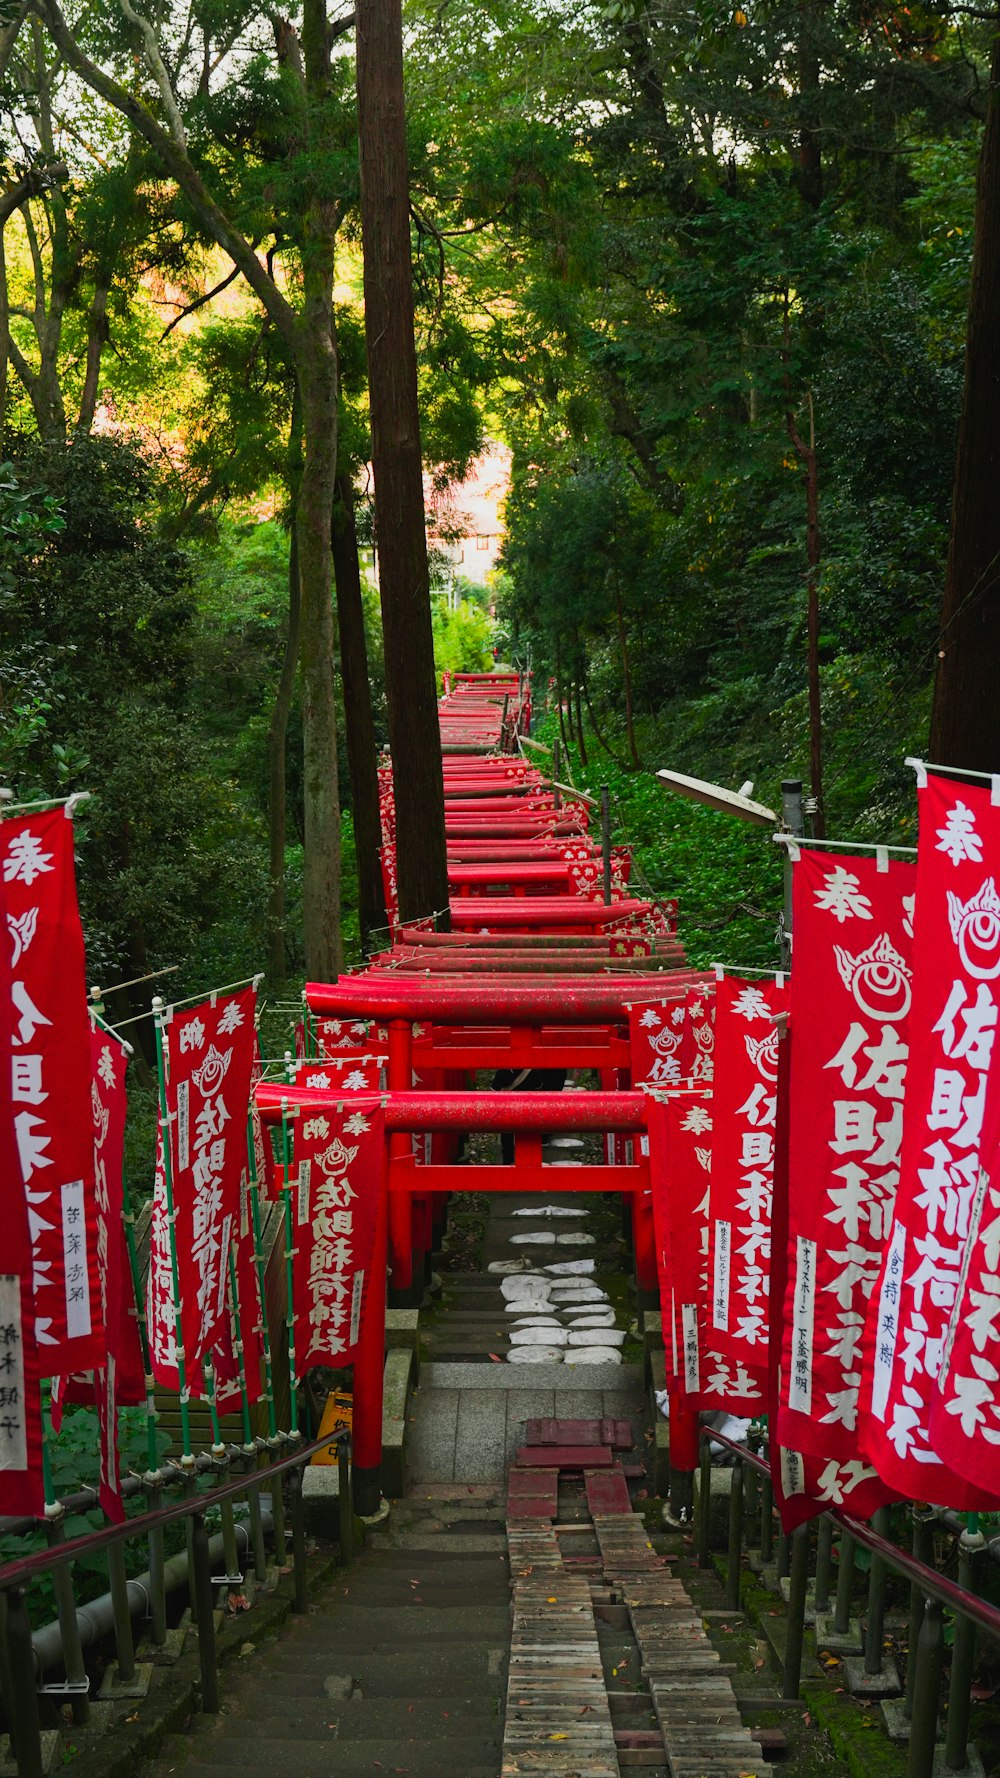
(159,1025)
(258,1254)
(286,1194)
(249,1444)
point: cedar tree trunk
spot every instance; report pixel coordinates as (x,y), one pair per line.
(411,681)
(358,719)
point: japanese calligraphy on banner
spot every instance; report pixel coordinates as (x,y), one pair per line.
(851,993)
(698,1044)
(338,1176)
(956,965)
(744,1101)
(108,1101)
(680,1149)
(20,1400)
(333,1035)
(656,1033)
(965,1407)
(209,1061)
(51,1087)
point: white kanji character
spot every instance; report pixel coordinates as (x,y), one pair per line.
(106,1067)
(754,1195)
(845,1338)
(27,1086)
(30,1017)
(975,1044)
(958,837)
(949,1188)
(920,1352)
(750,1004)
(192,1036)
(231,1019)
(22,931)
(31,1144)
(842,896)
(315,1126)
(887,1058)
(844,1403)
(981,1322)
(356,1125)
(317,1082)
(858,1267)
(853,1126)
(697,1119)
(25,860)
(650,1018)
(761,1106)
(757,1148)
(946,1099)
(972,1394)
(356,1081)
(210,1121)
(906,1428)
(938,1271)
(839,1480)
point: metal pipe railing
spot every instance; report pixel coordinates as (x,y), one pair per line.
(931,1593)
(17,1654)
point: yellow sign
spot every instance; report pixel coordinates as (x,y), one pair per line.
(338,1414)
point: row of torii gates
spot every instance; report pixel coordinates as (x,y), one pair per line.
(547,951)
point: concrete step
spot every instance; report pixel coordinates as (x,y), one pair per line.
(346,1759)
(359,1717)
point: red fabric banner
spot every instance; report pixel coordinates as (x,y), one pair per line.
(680,1150)
(209,1061)
(698,1046)
(656,1034)
(108,1100)
(334,1035)
(51,1087)
(956,965)
(20,1399)
(338,1175)
(965,1407)
(850,1003)
(803,1484)
(744,1103)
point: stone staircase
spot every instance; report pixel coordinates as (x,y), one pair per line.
(398,1667)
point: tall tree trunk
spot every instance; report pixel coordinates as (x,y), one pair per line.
(358,718)
(626,675)
(321,801)
(560,702)
(97,337)
(579,726)
(593,723)
(276,739)
(965,722)
(411,681)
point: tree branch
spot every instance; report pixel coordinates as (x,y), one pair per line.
(200,301)
(159,71)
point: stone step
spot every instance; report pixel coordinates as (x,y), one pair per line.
(345,1759)
(361,1625)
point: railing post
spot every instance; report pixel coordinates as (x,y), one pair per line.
(157,1559)
(204,1612)
(705,1507)
(824,1564)
(784,1556)
(798,1581)
(876,1599)
(923,1551)
(62,1586)
(345,1495)
(845,1585)
(923,1722)
(22,1704)
(124,1643)
(766,1519)
(606,843)
(301,1603)
(963,1652)
(735,1538)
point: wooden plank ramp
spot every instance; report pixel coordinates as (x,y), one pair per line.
(558,1722)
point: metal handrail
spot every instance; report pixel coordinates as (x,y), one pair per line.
(932,1584)
(25,1569)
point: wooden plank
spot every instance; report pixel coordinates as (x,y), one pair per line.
(564,1457)
(607,1493)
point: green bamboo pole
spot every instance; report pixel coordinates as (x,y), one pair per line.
(286,1193)
(159,1025)
(249,1444)
(62,1582)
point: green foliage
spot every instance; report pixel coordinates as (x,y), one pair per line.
(463,637)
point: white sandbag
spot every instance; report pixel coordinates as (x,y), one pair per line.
(536,1321)
(590,1318)
(549,1210)
(535,1355)
(610,1336)
(539,1336)
(592,1355)
(536,1238)
(504,1268)
(577,1293)
(575,1238)
(528,1290)
(571,1268)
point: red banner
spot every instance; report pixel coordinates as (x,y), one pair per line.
(744,1102)
(656,1034)
(209,1061)
(338,1175)
(20,1399)
(851,993)
(803,1484)
(680,1149)
(51,1087)
(697,1050)
(108,1100)
(956,965)
(334,1035)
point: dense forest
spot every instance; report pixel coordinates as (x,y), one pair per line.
(704,270)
